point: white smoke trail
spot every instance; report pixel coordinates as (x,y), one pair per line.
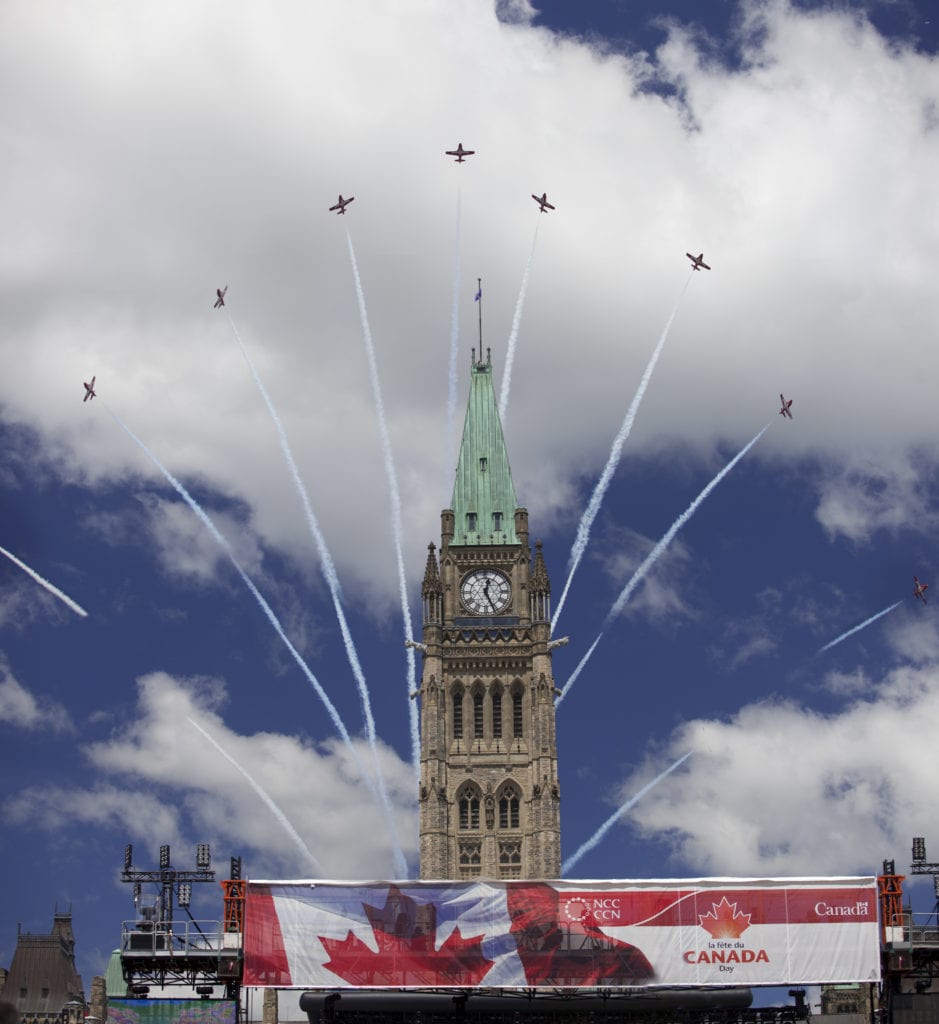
(660,547)
(265,607)
(611,821)
(54,590)
(577,671)
(862,625)
(451,369)
(513,336)
(395,508)
(326,561)
(271,806)
(332,581)
(599,492)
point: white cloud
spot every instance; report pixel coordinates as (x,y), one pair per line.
(18,707)
(181,786)
(20,605)
(802,180)
(180,542)
(658,596)
(868,495)
(187,548)
(752,640)
(779,789)
(104,806)
(915,639)
(848,684)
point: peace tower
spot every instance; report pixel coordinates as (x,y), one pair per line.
(489,796)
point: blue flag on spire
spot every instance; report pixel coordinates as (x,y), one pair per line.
(479,294)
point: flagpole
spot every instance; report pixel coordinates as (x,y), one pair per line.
(479,298)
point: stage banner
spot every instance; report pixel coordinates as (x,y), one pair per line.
(628,934)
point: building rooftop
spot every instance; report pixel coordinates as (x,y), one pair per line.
(43,978)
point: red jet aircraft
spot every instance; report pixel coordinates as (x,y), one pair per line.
(460,152)
(341,204)
(786,406)
(89,389)
(220,301)
(697,262)
(919,589)
(543,201)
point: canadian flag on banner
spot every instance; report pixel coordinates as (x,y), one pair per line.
(561,934)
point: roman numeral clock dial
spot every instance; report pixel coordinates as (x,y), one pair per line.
(485,592)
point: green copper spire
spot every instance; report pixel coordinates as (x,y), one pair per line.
(483,495)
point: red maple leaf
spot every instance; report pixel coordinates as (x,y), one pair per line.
(406,933)
(724,921)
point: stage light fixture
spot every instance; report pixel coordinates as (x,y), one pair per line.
(164,857)
(919,848)
(203,856)
(184,893)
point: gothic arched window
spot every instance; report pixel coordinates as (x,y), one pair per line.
(509,801)
(477,712)
(468,805)
(517,731)
(497,712)
(458,712)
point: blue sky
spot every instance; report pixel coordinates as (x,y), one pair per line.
(154,154)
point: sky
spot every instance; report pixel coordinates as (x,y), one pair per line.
(156,152)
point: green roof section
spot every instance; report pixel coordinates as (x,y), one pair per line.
(483,494)
(114,982)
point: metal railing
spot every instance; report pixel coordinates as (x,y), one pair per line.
(186,938)
(917,929)
(921,929)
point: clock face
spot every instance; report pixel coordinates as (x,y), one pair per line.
(485,592)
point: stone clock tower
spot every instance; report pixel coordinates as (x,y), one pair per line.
(489,797)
